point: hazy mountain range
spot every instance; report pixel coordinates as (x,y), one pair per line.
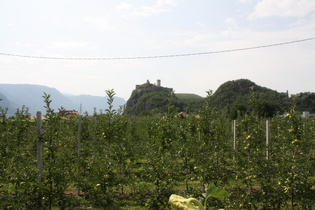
(14,96)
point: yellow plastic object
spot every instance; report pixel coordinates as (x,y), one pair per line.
(180,203)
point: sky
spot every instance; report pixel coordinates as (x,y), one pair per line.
(140,31)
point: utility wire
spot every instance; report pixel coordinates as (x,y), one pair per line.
(157,56)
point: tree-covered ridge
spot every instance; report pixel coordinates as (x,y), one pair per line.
(241,92)
(244,96)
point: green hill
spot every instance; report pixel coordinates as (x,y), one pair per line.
(191,103)
(149,99)
(244,95)
(188,96)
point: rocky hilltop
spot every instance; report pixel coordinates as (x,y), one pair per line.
(148,98)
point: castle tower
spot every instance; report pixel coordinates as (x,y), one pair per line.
(158,83)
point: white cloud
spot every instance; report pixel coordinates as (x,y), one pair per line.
(167,2)
(69,45)
(148,11)
(101,22)
(160,6)
(196,40)
(231,21)
(124,6)
(11,25)
(283,8)
(245,1)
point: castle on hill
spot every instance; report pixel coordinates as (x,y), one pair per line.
(150,86)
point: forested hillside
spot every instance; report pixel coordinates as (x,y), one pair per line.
(234,98)
(245,96)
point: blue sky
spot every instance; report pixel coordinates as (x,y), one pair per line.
(111,29)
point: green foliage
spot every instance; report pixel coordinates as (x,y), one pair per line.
(151,100)
(238,110)
(191,103)
(57,173)
(130,161)
(109,111)
(306,102)
(154,101)
(236,97)
(216,192)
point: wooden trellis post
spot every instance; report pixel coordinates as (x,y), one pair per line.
(95,137)
(79,150)
(39,154)
(234,134)
(39,146)
(267,139)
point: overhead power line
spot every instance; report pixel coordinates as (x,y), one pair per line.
(157,56)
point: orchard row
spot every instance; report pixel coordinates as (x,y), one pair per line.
(118,161)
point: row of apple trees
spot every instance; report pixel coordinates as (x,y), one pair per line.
(112,160)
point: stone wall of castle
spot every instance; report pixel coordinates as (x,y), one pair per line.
(149,86)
